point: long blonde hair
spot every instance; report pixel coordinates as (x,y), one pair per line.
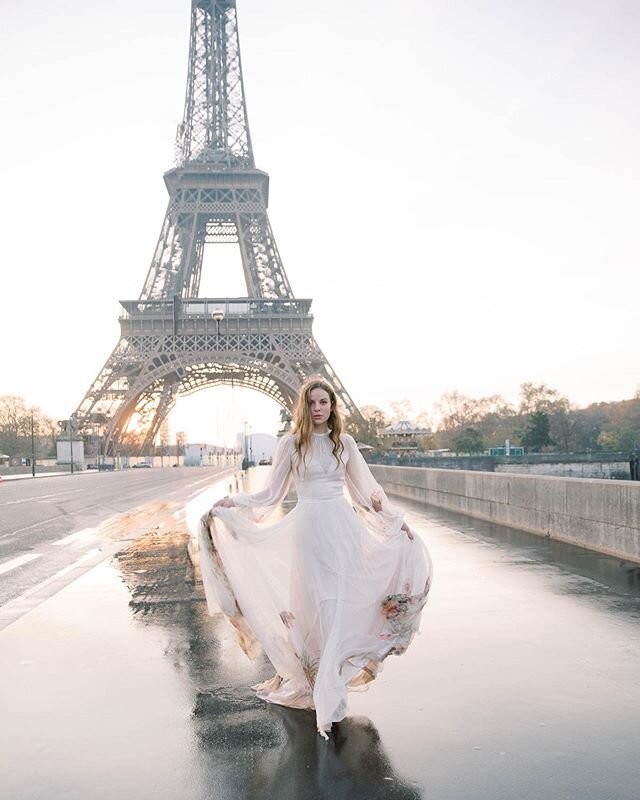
(303,422)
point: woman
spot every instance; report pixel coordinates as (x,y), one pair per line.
(329,593)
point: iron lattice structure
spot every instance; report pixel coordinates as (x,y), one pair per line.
(173,342)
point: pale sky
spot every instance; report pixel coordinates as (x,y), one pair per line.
(455,184)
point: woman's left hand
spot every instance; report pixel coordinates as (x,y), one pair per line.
(407,530)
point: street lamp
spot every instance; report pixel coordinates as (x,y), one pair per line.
(245,448)
(218,315)
(71,442)
(33,449)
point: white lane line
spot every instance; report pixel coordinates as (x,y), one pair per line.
(16,608)
(50,519)
(85,533)
(35,525)
(18,562)
(55,576)
(152,490)
(39,497)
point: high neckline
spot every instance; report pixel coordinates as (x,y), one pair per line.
(325,433)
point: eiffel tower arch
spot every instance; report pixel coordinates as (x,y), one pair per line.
(172,341)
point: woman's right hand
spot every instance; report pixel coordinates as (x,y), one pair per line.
(226,502)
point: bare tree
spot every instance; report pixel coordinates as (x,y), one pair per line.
(368,431)
(401,410)
(15,428)
(539,397)
(458,410)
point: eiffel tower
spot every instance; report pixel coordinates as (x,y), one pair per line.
(172,341)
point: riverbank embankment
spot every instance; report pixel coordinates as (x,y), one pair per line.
(600,515)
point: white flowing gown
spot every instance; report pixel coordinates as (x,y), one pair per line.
(328,591)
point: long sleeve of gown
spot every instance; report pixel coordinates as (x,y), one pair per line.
(278,482)
(362,485)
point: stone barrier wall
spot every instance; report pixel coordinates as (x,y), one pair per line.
(564,465)
(40,470)
(598,514)
(591,469)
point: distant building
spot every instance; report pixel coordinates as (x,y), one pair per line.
(201,454)
(65,447)
(402,435)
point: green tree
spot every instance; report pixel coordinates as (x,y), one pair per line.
(536,435)
(468,441)
(564,426)
(622,438)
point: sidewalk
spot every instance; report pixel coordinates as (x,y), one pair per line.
(29,476)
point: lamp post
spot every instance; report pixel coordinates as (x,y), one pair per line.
(71,442)
(245,453)
(218,316)
(33,450)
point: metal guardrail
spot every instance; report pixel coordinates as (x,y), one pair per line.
(527,458)
(206,307)
(488,463)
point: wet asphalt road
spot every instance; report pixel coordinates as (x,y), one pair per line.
(523,684)
(47,523)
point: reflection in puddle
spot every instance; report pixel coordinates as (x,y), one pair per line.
(585,572)
(351,765)
(247,749)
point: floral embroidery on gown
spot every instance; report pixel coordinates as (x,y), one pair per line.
(328,591)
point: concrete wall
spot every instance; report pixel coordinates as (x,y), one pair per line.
(564,465)
(598,514)
(591,469)
(40,470)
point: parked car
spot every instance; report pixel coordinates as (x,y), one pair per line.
(141,465)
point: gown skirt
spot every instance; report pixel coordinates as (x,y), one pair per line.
(329,590)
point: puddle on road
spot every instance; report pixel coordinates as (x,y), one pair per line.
(247,748)
(574,570)
(137,691)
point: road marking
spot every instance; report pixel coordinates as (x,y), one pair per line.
(18,562)
(85,533)
(39,497)
(151,490)
(54,577)
(35,525)
(50,519)
(16,608)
